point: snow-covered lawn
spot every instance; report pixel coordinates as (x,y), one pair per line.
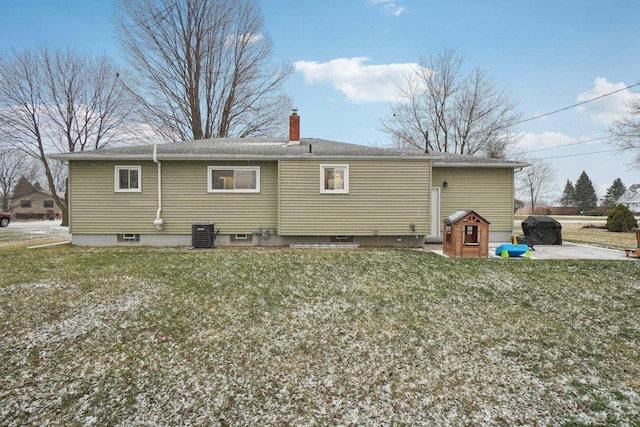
(33,230)
(126,336)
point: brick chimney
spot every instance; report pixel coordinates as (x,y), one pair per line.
(294,127)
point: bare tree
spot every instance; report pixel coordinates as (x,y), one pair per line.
(536,180)
(13,164)
(202,67)
(61,101)
(442,109)
(626,132)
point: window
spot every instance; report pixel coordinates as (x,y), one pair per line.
(236,179)
(128,238)
(334,179)
(471,235)
(448,233)
(128,179)
(25,203)
(47,203)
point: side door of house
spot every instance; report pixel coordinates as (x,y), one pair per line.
(435,212)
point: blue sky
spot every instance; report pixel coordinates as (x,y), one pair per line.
(349,54)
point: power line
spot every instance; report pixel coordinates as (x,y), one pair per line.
(574,105)
(576,155)
(569,145)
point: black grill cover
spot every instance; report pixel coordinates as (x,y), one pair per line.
(542,230)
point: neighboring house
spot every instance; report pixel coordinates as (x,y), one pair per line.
(631,198)
(275,191)
(36,205)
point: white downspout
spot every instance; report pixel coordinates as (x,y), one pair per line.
(158,222)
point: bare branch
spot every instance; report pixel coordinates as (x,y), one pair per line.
(202,67)
(464,114)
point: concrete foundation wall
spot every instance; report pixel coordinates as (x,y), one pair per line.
(226,240)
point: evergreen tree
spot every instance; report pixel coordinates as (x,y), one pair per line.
(620,219)
(23,187)
(614,192)
(586,198)
(568,195)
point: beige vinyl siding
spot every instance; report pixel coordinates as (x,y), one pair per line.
(97,209)
(488,191)
(384,198)
(186,200)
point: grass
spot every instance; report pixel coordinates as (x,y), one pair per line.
(584,230)
(598,237)
(301,337)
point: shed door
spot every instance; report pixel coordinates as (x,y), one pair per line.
(435,212)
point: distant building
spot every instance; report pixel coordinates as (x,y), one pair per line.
(36,205)
(631,198)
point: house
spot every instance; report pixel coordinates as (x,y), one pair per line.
(269,191)
(36,205)
(631,198)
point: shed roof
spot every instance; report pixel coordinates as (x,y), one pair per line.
(459,215)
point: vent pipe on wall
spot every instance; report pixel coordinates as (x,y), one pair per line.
(158,222)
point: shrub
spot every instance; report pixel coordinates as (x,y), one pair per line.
(621,219)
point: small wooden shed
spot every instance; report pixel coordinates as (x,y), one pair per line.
(465,234)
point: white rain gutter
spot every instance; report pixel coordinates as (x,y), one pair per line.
(158,222)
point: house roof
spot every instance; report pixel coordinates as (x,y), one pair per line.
(60,194)
(632,195)
(275,149)
(452,160)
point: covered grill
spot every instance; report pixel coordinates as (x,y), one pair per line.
(541,230)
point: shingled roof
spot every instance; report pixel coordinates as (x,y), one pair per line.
(275,149)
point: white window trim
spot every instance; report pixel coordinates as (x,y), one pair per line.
(128,190)
(345,190)
(210,188)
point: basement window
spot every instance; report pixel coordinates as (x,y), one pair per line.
(334,179)
(128,179)
(128,238)
(234,179)
(240,238)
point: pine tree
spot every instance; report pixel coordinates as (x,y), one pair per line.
(568,195)
(23,187)
(586,198)
(614,192)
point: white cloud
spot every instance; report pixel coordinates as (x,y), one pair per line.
(360,83)
(536,141)
(607,109)
(388,6)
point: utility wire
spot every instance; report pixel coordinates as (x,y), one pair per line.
(573,143)
(574,105)
(576,155)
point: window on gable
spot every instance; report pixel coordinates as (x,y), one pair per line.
(25,203)
(334,179)
(235,179)
(128,179)
(47,203)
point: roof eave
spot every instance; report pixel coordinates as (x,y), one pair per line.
(510,165)
(237,157)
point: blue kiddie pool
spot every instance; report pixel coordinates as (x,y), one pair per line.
(508,250)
